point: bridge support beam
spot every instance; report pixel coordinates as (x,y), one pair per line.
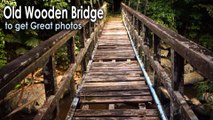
(49,77)
(177,82)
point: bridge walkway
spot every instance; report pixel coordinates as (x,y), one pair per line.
(114,87)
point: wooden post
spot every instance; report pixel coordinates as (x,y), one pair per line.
(177,71)
(82,37)
(71,50)
(49,77)
(157,57)
(177,82)
(71,57)
(139,27)
(90,28)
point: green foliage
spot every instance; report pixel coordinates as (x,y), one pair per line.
(62,61)
(59,4)
(161,11)
(23,41)
(3,58)
(204,87)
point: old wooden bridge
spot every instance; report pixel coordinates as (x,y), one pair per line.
(113,56)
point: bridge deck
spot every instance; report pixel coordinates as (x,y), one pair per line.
(114,87)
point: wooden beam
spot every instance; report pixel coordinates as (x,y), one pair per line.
(50,84)
(18,69)
(71,50)
(166,81)
(199,57)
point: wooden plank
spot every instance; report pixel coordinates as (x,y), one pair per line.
(116,64)
(117,113)
(114,57)
(123,99)
(115,93)
(115,78)
(111,106)
(105,69)
(116,88)
(115,52)
(97,84)
(114,47)
(115,73)
(116,118)
(41,115)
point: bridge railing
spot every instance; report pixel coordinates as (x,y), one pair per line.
(147,35)
(42,56)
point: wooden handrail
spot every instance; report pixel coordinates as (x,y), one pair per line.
(43,56)
(19,68)
(198,56)
(182,48)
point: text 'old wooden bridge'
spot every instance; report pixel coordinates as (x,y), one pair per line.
(113,57)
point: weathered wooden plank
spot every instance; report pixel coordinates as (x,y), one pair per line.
(110,51)
(124,46)
(115,93)
(115,73)
(112,78)
(115,64)
(116,88)
(133,68)
(97,84)
(117,113)
(123,99)
(114,57)
(116,118)
(42,114)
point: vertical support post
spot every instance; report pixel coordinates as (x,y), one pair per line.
(71,57)
(145,43)
(49,77)
(139,27)
(177,82)
(71,50)
(156,42)
(90,28)
(177,71)
(82,45)
(82,37)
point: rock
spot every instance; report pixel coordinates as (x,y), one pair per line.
(192,78)
(34,93)
(208,97)
(188,68)
(164,45)
(165,92)
(165,62)
(58,79)
(195,101)
(164,53)
(186,98)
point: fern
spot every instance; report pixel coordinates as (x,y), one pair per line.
(32,42)
(203,87)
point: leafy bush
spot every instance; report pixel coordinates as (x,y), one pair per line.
(3,59)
